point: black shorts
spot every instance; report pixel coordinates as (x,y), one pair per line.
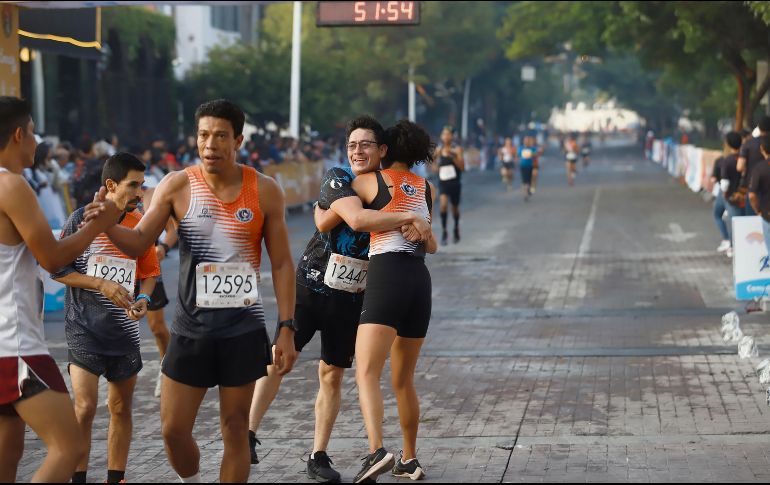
(526,175)
(398,294)
(113,368)
(335,316)
(508,165)
(159,297)
(451,190)
(228,362)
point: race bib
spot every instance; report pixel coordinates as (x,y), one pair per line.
(225,285)
(447,172)
(571,156)
(119,270)
(526,153)
(346,274)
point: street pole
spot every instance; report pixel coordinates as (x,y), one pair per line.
(466,103)
(296,44)
(412,96)
(38,90)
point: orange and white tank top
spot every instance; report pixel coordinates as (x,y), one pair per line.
(213,231)
(411,193)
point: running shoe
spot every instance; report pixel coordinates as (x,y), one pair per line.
(723,246)
(457,235)
(374,465)
(253,442)
(410,469)
(444,238)
(319,468)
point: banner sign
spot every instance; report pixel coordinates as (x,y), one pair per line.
(751,268)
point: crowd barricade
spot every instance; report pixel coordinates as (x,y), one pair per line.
(691,165)
(299,180)
(472,158)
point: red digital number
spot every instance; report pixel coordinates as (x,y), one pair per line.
(360,9)
(392,11)
(408,9)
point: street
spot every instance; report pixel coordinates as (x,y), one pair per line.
(574,338)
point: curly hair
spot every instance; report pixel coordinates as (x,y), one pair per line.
(408,143)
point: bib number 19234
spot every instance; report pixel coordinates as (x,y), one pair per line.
(226,285)
(346,274)
(119,270)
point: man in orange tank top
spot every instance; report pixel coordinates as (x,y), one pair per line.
(224,210)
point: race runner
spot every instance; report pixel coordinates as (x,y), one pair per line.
(451,165)
(507,154)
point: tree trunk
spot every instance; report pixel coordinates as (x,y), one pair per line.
(754,101)
(739,111)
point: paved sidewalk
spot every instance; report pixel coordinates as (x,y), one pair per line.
(570,341)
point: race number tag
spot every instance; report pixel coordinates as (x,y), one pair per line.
(346,274)
(571,156)
(526,153)
(447,172)
(225,285)
(119,270)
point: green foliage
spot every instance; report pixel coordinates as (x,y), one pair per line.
(132,24)
(660,57)
(351,70)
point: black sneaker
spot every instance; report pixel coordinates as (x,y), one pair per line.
(374,465)
(457,235)
(253,442)
(410,469)
(444,238)
(319,468)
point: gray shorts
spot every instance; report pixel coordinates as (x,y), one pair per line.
(113,368)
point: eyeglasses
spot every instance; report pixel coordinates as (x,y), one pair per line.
(364,144)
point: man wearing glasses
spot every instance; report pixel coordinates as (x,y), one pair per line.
(331,278)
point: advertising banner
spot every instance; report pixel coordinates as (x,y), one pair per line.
(751,269)
(9,51)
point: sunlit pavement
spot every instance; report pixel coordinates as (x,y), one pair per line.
(571,340)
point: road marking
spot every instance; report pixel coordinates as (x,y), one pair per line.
(677,235)
(588,232)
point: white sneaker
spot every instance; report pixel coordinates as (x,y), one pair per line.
(729,252)
(157,384)
(724,246)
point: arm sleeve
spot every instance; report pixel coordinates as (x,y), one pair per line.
(70,227)
(744,153)
(337,184)
(754,182)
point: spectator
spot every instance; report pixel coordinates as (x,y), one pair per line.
(759,189)
(750,156)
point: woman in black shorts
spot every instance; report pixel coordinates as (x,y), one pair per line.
(397,302)
(451,165)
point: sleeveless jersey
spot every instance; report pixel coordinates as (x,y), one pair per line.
(213,231)
(410,193)
(94,324)
(21,302)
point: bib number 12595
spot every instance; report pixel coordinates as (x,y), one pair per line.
(225,285)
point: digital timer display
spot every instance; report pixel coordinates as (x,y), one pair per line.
(367,13)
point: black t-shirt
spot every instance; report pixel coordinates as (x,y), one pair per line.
(343,240)
(760,185)
(750,151)
(728,169)
(716,172)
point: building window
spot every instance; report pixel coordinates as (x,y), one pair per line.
(225,18)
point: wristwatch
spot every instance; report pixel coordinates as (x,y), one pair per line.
(287,324)
(165,247)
